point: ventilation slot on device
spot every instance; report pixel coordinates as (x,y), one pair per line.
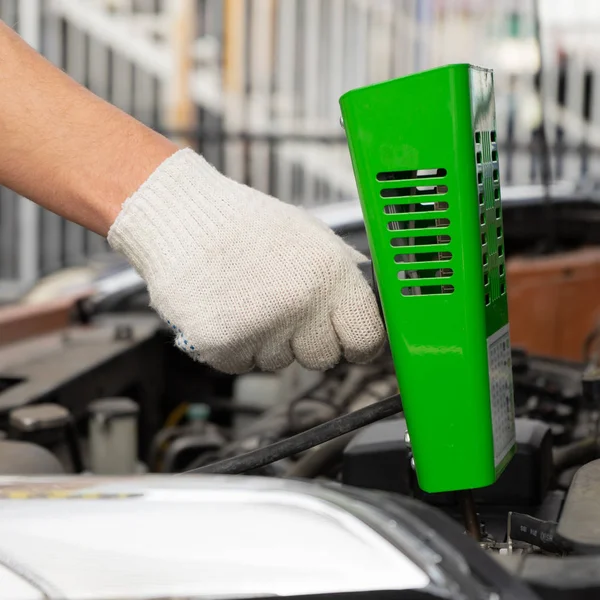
(426,274)
(425,240)
(421,207)
(488,190)
(427,290)
(404,192)
(422,224)
(423,257)
(405,175)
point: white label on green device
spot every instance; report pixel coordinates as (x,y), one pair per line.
(501,393)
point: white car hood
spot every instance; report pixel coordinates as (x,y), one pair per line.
(91,538)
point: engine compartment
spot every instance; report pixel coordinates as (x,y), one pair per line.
(539,519)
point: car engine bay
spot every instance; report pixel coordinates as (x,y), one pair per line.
(108,359)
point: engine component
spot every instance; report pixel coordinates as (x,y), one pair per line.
(576,453)
(534,531)
(305,440)
(39,417)
(47,423)
(440,264)
(468,508)
(552,578)
(113,436)
(379,458)
(23,458)
(343,389)
(591,386)
(173,447)
(579,523)
(78,365)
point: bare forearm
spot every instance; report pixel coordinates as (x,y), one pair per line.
(65,148)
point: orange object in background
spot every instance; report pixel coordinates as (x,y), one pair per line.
(554,302)
(22,321)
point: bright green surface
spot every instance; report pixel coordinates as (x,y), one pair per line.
(431,121)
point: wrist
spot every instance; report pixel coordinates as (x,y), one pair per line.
(132,165)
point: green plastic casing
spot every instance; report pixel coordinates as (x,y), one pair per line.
(424,154)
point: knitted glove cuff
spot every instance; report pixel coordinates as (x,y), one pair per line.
(169,210)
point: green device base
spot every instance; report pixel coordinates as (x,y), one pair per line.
(425,159)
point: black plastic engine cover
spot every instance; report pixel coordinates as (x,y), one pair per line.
(378,458)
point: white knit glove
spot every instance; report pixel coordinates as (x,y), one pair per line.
(243,279)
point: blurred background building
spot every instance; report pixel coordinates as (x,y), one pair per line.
(254,86)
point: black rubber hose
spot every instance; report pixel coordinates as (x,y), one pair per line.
(524,528)
(305,440)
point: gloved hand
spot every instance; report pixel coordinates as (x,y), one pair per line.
(242,278)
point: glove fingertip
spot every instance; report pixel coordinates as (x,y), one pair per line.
(316,347)
(357,257)
(359,326)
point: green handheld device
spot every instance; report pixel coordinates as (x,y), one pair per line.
(424,154)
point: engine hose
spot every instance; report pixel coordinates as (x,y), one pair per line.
(305,440)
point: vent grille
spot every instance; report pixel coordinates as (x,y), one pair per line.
(421,230)
(408,175)
(490,215)
(433,190)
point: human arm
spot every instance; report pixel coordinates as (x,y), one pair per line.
(242,279)
(63,147)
